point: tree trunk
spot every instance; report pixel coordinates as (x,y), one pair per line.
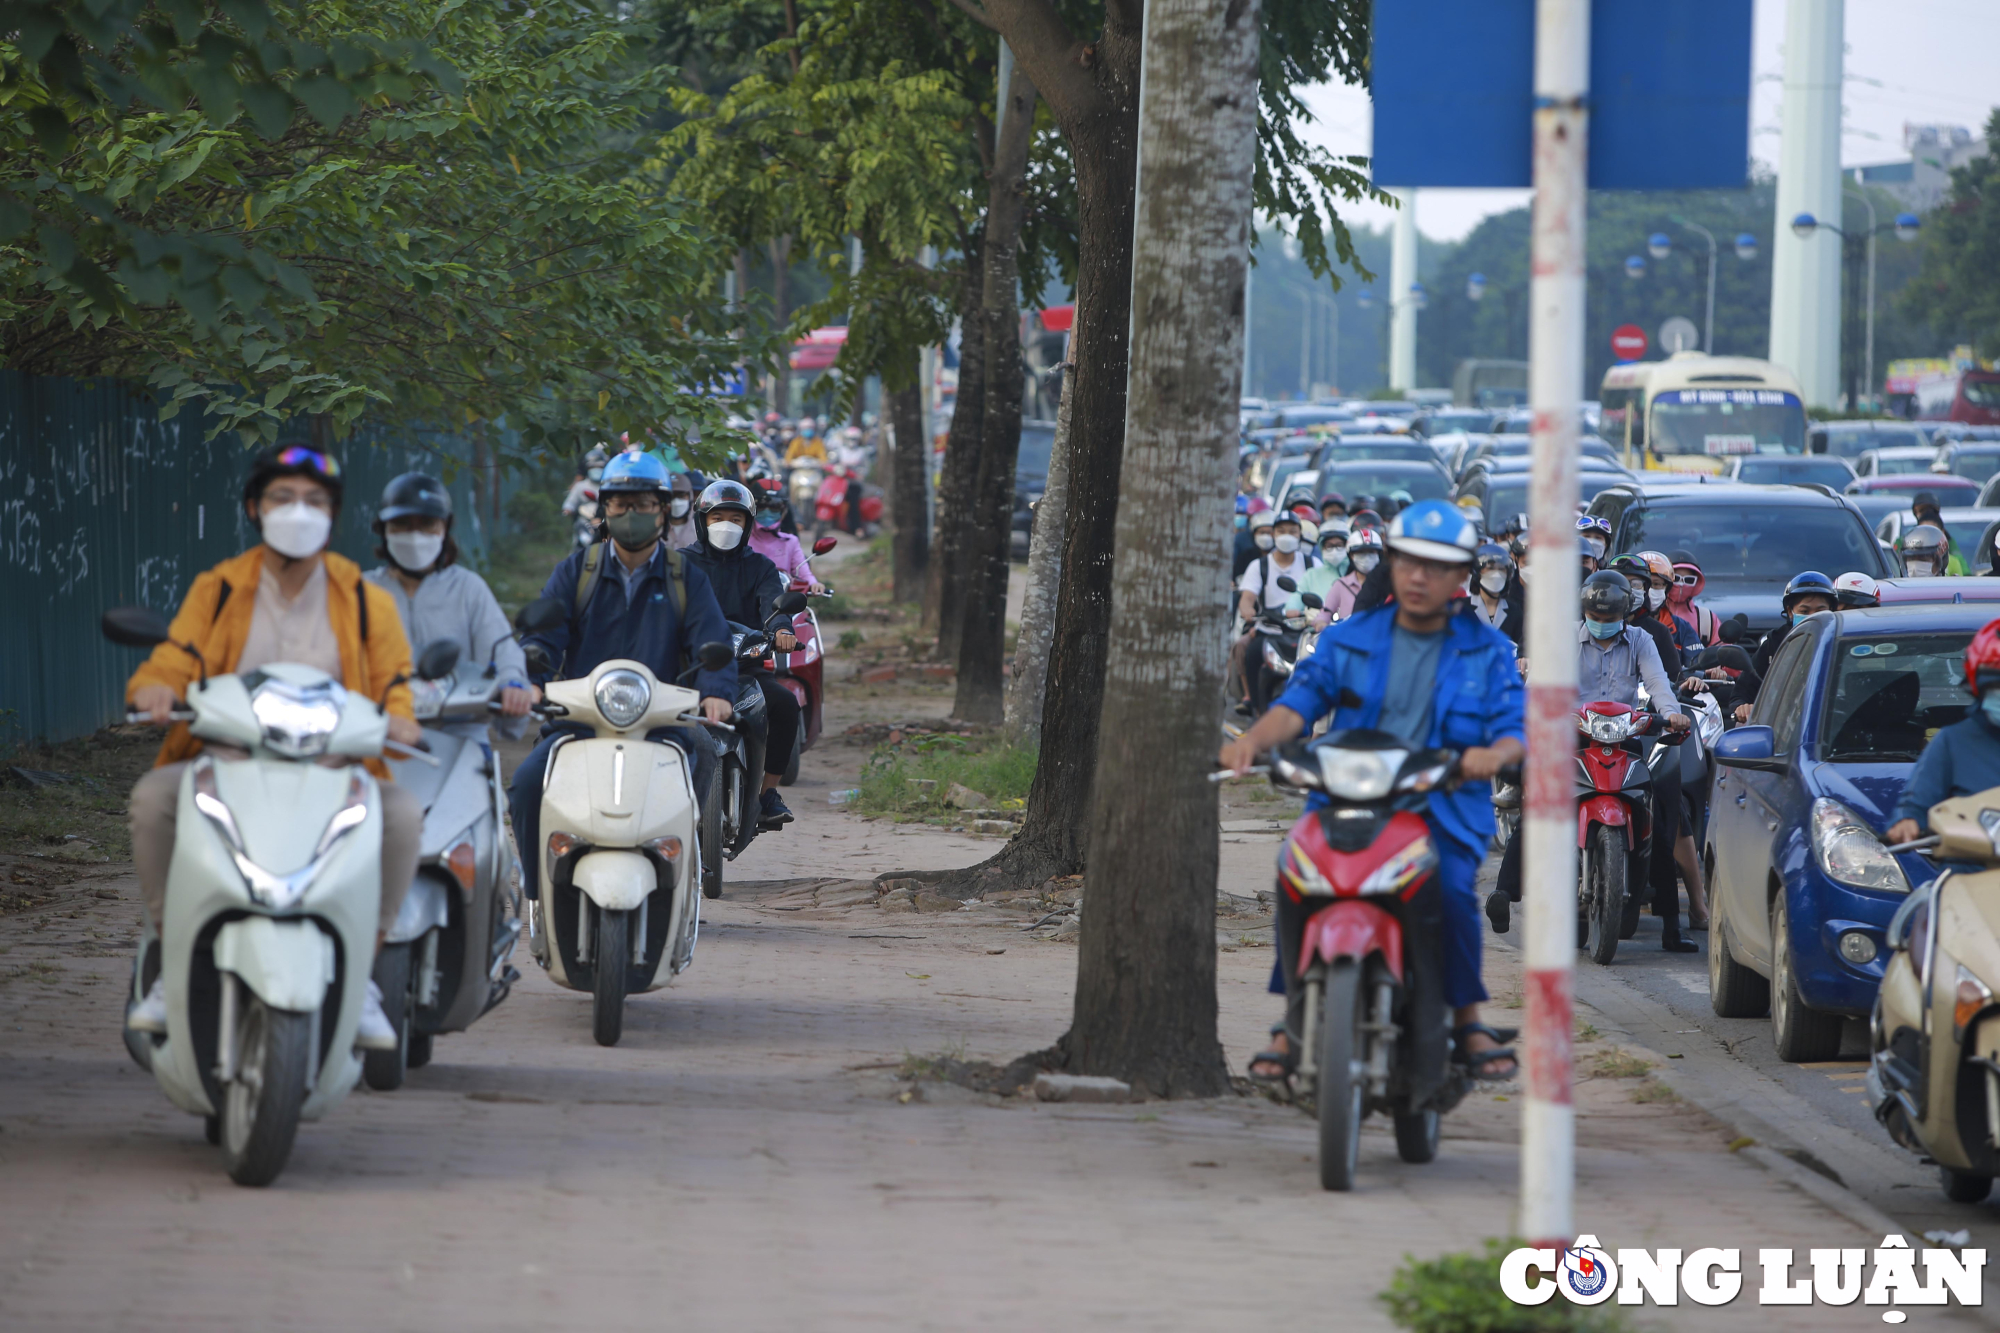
(1145,994)
(1038,608)
(944,599)
(781,315)
(906,497)
(983,635)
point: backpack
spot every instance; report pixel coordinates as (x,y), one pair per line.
(593,565)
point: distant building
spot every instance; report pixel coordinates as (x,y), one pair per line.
(1921,182)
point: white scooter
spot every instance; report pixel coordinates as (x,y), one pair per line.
(621,851)
(273,898)
(445,961)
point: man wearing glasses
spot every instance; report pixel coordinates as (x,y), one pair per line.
(287,599)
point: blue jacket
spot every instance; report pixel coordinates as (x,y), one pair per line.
(1961,759)
(645,629)
(1478,700)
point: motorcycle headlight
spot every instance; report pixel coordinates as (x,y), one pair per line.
(623,697)
(428,696)
(1359,775)
(1849,852)
(1394,874)
(1605,730)
(297,720)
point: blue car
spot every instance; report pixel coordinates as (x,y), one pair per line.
(1801,888)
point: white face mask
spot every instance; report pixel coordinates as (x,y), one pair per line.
(297,529)
(1656,598)
(1288,543)
(415,551)
(1366,561)
(1494,581)
(1919,569)
(1262,541)
(678,507)
(725,536)
(1596,545)
(1332,552)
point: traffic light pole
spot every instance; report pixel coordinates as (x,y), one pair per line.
(1555,393)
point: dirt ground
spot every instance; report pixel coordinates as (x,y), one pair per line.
(752,1155)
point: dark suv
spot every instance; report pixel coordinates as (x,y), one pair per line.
(1031,478)
(1749,540)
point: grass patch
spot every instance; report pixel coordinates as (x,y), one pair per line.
(1617,1064)
(1652,1090)
(80,820)
(1460,1293)
(851,639)
(893,781)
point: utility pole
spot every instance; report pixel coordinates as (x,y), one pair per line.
(1402,283)
(1805,279)
(1555,392)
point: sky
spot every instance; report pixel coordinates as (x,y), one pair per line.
(1917,61)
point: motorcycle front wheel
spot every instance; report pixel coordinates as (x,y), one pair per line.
(260,1106)
(607,1005)
(1341,1086)
(1604,904)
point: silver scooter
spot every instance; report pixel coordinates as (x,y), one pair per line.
(273,897)
(446,960)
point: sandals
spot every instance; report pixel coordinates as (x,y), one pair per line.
(1287,1060)
(1475,1062)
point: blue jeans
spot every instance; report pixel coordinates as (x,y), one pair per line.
(524,792)
(1460,931)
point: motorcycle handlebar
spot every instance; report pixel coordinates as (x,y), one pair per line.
(702,721)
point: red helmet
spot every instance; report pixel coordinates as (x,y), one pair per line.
(1982,659)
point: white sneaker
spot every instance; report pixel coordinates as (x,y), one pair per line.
(372,1032)
(150,1014)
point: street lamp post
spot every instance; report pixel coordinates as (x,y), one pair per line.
(1660,245)
(1906,226)
(1415,299)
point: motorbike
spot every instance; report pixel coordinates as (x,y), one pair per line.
(802,672)
(1614,824)
(1377,1032)
(803,483)
(831,506)
(447,959)
(1934,1031)
(624,840)
(583,529)
(743,760)
(273,898)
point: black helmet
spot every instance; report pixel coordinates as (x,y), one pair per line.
(292,458)
(1607,590)
(727,494)
(414,495)
(1812,583)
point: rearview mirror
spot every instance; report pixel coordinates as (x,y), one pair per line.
(791,603)
(438,660)
(714,655)
(825,544)
(135,626)
(538,661)
(1749,747)
(1312,600)
(540,616)
(1287,583)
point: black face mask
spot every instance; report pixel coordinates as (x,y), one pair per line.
(634,530)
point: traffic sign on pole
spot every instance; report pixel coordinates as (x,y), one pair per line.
(1628,342)
(1679,334)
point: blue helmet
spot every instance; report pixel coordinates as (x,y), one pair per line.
(634,471)
(1435,530)
(1811,583)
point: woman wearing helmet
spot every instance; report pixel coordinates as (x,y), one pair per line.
(438,598)
(1964,757)
(1925,554)
(1688,584)
(1260,539)
(1496,598)
(748,586)
(1364,558)
(776,538)
(1596,532)
(1419,669)
(1321,579)
(1659,592)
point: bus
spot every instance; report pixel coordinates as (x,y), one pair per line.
(1693,412)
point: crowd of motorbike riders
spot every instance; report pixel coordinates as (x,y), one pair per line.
(1375,612)
(674,561)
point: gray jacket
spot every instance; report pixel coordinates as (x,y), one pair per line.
(454,603)
(1614,674)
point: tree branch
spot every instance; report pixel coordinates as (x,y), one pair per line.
(976,14)
(1056,62)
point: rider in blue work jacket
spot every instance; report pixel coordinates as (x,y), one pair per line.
(631,610)
(1424,667)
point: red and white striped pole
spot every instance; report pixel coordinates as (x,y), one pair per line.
(1555,392)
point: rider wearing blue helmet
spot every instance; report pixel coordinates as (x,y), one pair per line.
(629,596)
(1425,668)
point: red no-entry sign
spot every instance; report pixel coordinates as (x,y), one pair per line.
(1628,342)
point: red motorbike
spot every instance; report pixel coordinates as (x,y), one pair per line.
(1614,824)
(1377,1033)
(832,506)
(803,672)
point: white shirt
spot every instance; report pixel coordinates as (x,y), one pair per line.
(294,630)
(1253,576)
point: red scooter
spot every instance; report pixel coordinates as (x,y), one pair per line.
(1377,1033)
(1614,824)
(803,672)
(832,507)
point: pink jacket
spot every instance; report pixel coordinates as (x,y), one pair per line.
(783,550)
(1340,597)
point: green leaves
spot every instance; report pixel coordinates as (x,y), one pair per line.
(1958,287)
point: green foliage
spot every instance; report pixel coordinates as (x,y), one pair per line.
(1460,1293)
(451,251)
(1000,772)
(1958,288)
